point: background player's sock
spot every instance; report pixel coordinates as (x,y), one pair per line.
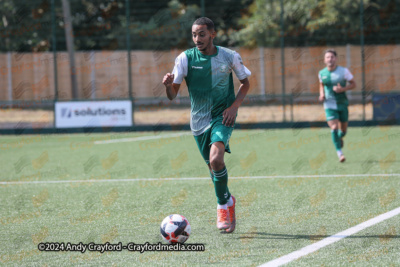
(221,186)
(339,152)
(230,202)
(341,134)
(336,139)
(224,207)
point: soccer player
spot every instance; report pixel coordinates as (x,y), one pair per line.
(332,91)
(207,70)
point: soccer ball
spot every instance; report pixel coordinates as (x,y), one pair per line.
(175,229)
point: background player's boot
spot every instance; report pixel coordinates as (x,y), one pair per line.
(222,219)
(340,155)
(232,217)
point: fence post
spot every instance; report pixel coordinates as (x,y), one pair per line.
(262,71)
(128,44)
(283,63)
(362,56)
(54,46)
(93,74)
(9,78)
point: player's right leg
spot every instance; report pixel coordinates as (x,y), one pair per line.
(342,131)
(220,184)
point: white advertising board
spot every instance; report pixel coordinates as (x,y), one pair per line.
(76,114)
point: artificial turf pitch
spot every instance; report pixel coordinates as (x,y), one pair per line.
(290,187)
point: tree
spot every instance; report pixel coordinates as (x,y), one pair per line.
(312,22)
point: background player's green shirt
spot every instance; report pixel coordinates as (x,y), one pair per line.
(331,78)
(210,83)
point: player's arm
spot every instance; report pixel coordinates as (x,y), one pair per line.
(321,92)
(172,81)
(172,89)
(229,114)
(242,92)
(351,84)
(321,89)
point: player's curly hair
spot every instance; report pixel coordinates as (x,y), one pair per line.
(205,21)
(331,50)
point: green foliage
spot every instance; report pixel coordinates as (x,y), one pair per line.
(163,25)
(312,22)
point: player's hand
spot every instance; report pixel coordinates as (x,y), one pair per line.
(338,88)
(168,79)
(229,116)
(321,98)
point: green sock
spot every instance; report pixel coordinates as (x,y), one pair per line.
(336,139)
(341,134)
(212,176)
(221,186)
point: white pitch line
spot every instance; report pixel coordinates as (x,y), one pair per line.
(197,178)
(331,239)
(140,138)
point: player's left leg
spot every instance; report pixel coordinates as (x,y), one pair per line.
(342,130)
(212,151)
(226,202)
(343,122)
(219,145)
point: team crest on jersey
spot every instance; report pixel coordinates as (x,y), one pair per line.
(334,76)
(224,68)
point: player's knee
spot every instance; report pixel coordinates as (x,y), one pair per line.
(334,127)
(217,163)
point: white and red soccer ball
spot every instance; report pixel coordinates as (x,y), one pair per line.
(175,229)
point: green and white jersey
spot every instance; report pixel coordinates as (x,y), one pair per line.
(210,83)
(332,78)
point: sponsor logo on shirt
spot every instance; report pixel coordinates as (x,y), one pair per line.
(197,67)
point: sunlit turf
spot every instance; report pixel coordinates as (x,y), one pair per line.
(275,215)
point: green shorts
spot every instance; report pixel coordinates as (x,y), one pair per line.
(341,114)
(218,132)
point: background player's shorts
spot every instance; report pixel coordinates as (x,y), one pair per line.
(341,114)
(216,133)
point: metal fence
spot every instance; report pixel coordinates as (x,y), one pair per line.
(122,49)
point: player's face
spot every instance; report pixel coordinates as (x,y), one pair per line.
(330,59)
(202,37)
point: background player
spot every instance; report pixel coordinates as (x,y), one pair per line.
(207,70)
(332,91)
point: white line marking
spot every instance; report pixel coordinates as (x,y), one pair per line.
(140,138)
(331,239)
(196,178)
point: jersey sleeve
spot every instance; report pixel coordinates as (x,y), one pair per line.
(181,68)
(237,66)
(347,75)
